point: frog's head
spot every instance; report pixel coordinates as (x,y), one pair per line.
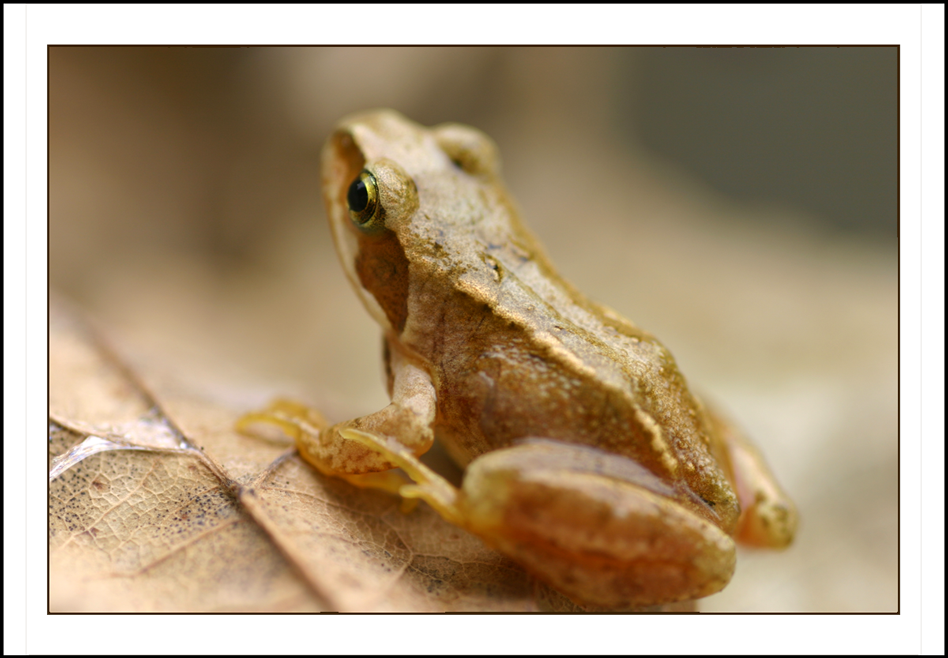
(407,202)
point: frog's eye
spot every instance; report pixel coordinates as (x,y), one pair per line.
(363,200)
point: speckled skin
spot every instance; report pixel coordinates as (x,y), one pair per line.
(589,461)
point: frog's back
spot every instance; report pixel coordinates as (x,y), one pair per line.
(513,365)
(515,352)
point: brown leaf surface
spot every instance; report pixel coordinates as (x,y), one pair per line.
(149,530)
(227,276)
(171,510)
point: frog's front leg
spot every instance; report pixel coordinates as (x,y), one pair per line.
(407,421)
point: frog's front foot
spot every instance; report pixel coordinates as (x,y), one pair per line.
(293,418)
(312,434)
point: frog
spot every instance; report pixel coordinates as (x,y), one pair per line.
(587,459)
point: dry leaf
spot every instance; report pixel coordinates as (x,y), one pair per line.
(155,529)
(156,503)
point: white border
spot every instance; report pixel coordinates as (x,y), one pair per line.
(30,629)
(932,318)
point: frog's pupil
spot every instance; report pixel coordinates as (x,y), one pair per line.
(358,196)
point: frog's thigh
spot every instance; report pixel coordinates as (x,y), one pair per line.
(408,420)
(596,536)
(768,516)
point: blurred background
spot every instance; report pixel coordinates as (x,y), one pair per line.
(740,203)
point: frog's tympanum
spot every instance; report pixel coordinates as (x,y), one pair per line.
(588,460)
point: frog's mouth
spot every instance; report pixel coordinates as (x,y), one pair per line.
(342,161)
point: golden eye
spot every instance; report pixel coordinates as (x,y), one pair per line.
(363,199)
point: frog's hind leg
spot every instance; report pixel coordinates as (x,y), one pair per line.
(595,525)
(768,516)
(426,484)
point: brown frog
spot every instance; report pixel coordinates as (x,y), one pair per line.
(587,458)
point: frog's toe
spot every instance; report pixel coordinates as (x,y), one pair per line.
(293,418)
(769,523)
